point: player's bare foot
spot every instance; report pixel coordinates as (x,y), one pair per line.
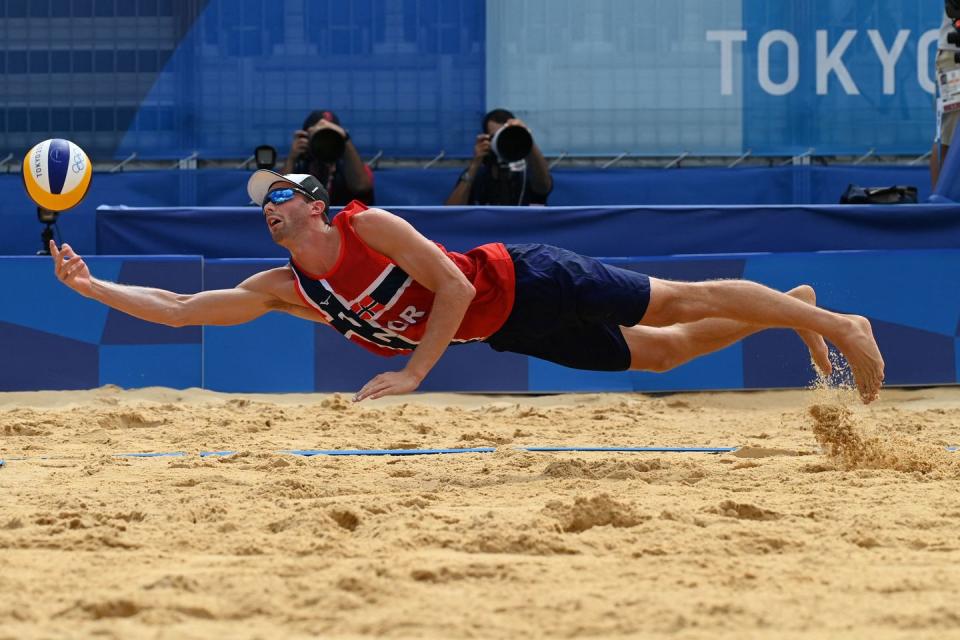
(814,341)
(856,342)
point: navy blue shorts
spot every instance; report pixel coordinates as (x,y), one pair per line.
(569,309)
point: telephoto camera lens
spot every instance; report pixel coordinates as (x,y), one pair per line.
(511,143)
(326,145)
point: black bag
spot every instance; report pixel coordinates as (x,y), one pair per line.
(855,194)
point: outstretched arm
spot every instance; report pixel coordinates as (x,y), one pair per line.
(424,262)
(247,301)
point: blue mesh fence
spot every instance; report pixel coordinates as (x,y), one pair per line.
(168,78)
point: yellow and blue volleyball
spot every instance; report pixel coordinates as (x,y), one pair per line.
(56,174)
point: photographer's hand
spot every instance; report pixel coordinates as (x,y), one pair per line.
(461,191)
(298,147)
(480,149)
(300,143)
(326,124)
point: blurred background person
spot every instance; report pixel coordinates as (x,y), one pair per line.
(323,148)
(507,167)
(948,87)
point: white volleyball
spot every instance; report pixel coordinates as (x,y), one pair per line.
(56,174)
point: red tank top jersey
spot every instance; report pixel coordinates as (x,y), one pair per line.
(370,300)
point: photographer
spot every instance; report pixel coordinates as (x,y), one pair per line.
(507,167)
(323,149)
(948,86)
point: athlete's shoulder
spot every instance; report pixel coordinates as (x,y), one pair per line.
(374,220)
(278,284)
(270,281)
(372,212)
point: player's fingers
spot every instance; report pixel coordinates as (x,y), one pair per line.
(371,391)
(380,391)
(379,394)
(376,384)
(362,393)
(75,267)
(53,249)
(69,272)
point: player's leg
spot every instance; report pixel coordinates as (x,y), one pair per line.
(754,304)
(663,348)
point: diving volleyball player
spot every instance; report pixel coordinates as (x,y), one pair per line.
(371,276)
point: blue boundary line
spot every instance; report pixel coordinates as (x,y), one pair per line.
(638,449)
(309,453)
(164,454)
(382,452)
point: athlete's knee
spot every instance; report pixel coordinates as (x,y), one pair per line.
(673,302)
(666,351)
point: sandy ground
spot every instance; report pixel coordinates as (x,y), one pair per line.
(855,536)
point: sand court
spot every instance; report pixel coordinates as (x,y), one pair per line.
(832,519)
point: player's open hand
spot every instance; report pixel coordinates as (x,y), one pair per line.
(70,268)
(390,383)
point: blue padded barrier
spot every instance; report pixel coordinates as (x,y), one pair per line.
(418,188)
(599,231)
(43,322)
(914,309)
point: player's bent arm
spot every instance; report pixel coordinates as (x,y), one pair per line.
(424,262)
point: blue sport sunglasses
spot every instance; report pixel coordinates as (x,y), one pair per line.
(279,196)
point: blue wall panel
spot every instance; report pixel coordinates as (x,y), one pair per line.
(914,356)
(34,360)
(776,359)
(151,365)
(272,353)
(895,287)
(915,327)
(35,298)
(53,338)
